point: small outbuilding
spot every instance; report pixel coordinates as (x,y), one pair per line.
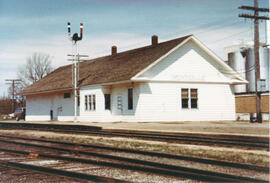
(176,80)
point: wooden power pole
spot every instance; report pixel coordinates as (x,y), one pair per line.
(13,83)
(256,18)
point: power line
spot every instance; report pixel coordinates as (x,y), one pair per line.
(243,71)
(217,23)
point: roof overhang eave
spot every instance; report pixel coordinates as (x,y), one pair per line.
(239,82)
(46,91)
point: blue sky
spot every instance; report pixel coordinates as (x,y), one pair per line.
(29,26)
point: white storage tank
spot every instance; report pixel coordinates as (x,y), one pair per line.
(251,70)
(264,68)
(237,61)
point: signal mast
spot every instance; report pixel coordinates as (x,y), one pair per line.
(75,64)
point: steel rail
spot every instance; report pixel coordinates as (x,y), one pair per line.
(163,155)
(189,173)
(61,172)
(51,126)
(187,139)
(192,136)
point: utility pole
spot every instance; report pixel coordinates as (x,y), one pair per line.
(75,58)
(256,18)
(13,83)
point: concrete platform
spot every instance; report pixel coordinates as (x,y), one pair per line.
(203,127)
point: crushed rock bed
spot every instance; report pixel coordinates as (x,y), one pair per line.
(253,157)
(127,175)
(11,175)
(247,155)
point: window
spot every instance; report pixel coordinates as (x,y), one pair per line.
(86,102)
(185,98)
(130,98)
(189,98)
(66,95)
(94,102)
(194,98)
(107,98)
(90,102)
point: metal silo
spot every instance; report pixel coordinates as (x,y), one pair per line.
(250,71)
(241,59)
(264,68)
(237,61)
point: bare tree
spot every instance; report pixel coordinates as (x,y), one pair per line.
(5,105)
(37,66)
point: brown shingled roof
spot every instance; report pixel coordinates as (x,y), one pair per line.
(113,68)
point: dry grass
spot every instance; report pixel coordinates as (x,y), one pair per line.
(254,157)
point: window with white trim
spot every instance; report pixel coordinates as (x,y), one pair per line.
(194,98)
(86,102)
(185,98)
(189,98)
(93,102)
(90,102)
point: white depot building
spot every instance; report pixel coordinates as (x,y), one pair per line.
(176,80)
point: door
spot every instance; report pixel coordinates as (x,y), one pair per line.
(51,114)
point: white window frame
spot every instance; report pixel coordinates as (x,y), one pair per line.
(197,98)
(181,99)
(85,102)
(90,100)
(189,99)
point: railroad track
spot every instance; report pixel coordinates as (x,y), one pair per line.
(121,162)
(148,153)
(57,172)
(227,141)
(189,139)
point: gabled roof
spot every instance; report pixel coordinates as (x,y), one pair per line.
(114,68)
(225,69)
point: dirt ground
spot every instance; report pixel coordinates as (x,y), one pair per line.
(213,127)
